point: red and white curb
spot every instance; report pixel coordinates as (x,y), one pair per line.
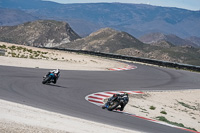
(129,67)
(98,99)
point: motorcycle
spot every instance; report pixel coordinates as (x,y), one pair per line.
(49,78)
(112,103)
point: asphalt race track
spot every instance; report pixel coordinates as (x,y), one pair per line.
(23,85)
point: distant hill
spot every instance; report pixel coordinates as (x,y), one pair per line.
(157,37)
(111,41)
(48,33)
(9,17)
(135,19)
(105,40)
(163,44)
(194,39)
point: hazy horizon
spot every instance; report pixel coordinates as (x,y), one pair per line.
(185,4)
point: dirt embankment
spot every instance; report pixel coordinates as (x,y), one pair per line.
(24,56)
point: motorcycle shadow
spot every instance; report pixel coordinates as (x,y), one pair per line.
(122,112)
(54,85)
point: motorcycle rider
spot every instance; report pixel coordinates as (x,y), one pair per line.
(123,100)
(56,72)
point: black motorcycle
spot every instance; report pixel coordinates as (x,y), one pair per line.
(112,103)
(49,78)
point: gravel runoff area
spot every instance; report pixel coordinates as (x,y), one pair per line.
(182,107)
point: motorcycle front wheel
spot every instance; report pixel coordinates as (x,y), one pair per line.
(46,79)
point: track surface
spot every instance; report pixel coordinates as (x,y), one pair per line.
(23,85)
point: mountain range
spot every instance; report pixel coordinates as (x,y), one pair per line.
(135,19)
(111,41)
(51,33)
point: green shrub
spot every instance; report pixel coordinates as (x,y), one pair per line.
(31,57)
(24,49)
(44,52)
(42,56)
(13,54)
(187,105)
(22,56)
(163,112)
(30,50)
(3,46)
(152,108)
(162,118)
(13,47)
(37,55)
(19,48)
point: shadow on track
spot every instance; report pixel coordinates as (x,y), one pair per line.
(56,85)
(122,112)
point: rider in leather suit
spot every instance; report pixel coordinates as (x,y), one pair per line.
(123,100)
(57,74)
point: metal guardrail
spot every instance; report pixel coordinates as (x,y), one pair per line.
(131,58)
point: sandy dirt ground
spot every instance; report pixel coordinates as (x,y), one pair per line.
(24,56)
(176,106)
(182,107)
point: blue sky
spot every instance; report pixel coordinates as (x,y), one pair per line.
(186,4)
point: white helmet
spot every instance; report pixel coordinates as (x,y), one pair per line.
(57,71)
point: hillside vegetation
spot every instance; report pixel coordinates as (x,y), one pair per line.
(112,41)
